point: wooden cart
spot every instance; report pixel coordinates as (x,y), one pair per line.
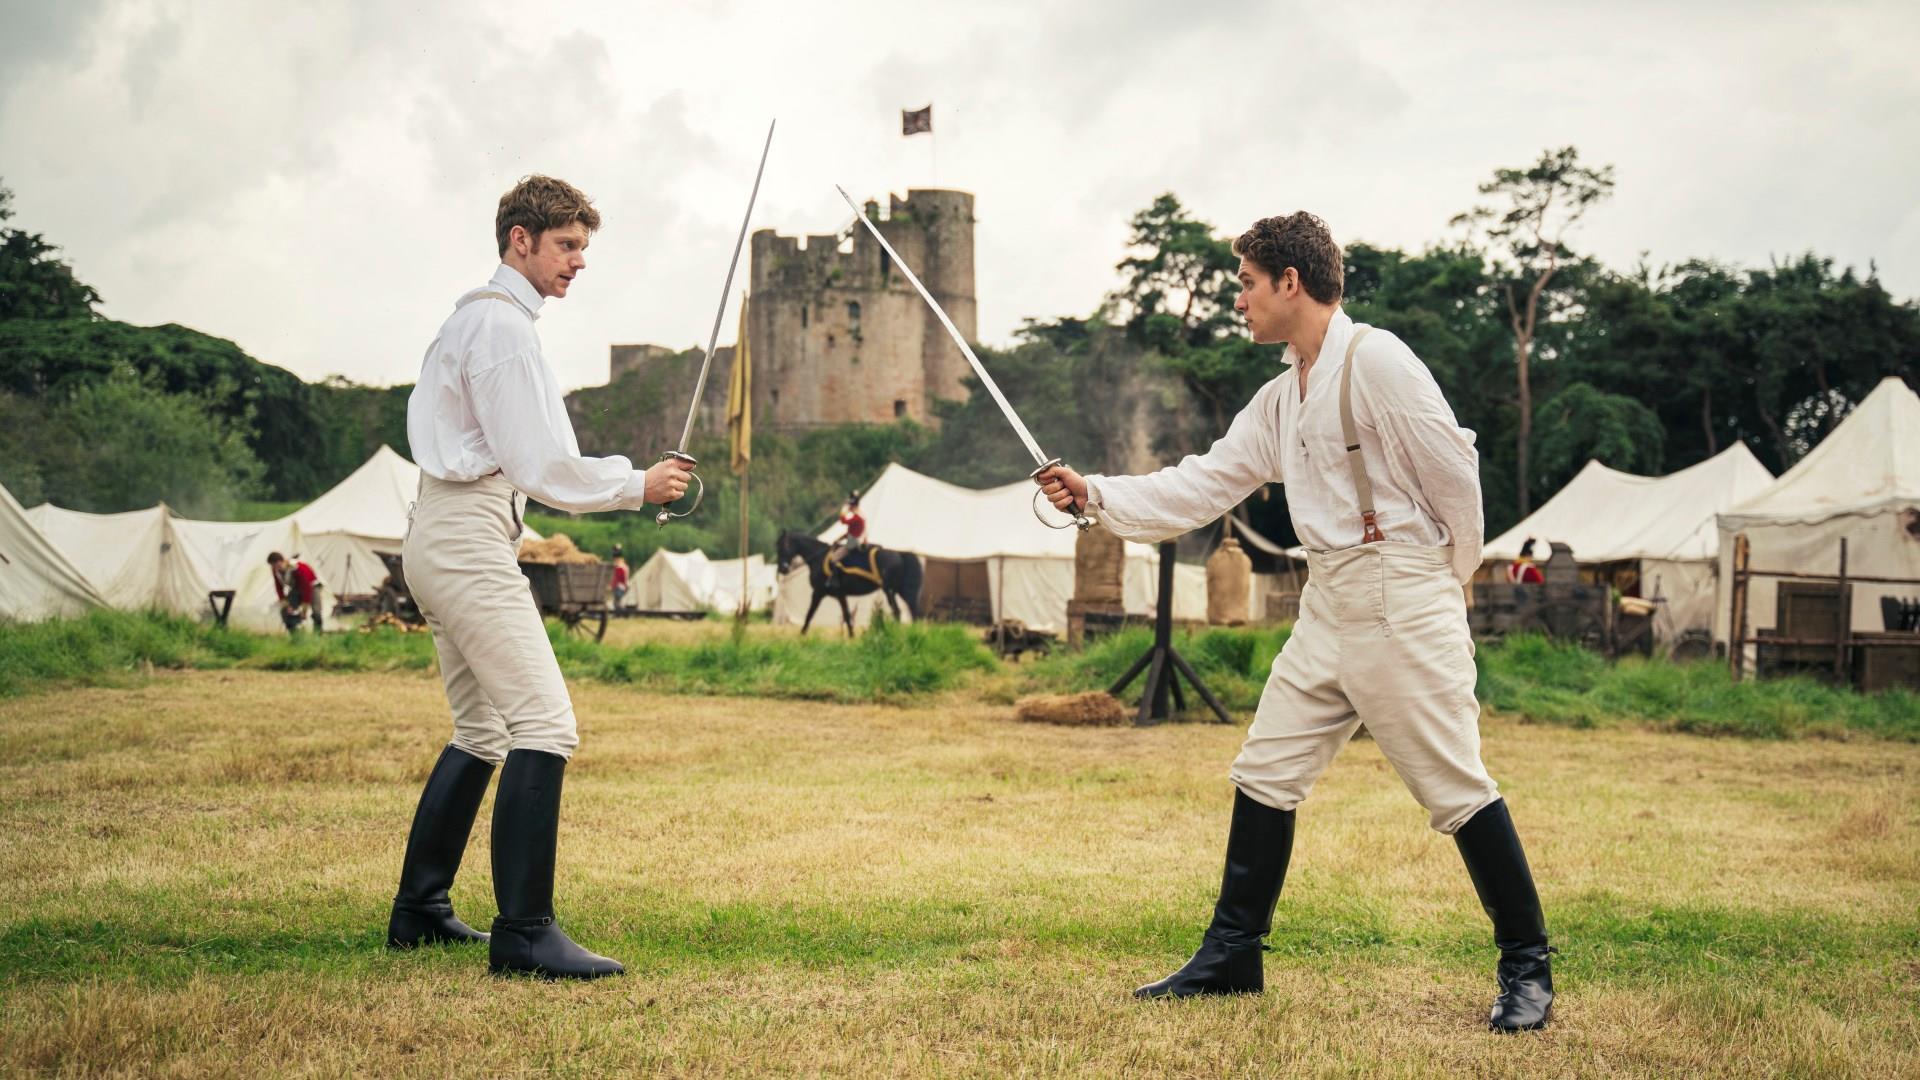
(574,593)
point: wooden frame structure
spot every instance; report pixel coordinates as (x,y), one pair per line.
(1844,639)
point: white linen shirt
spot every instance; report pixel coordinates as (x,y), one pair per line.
(486,401)
(1423,466)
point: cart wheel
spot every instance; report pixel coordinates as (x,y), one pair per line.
(584,624)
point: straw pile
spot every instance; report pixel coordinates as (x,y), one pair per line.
(558,548)
(1096,708)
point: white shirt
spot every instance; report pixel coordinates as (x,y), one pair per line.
(487,401)
(1421,462)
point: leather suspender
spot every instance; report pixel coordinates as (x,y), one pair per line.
(1370,528)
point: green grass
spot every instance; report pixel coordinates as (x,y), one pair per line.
(253,510)
(1233,663)
(1562,684)
(1528,677)
(199,869)
(887,663)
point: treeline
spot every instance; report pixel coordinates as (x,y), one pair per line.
(1551,357)
(104,416)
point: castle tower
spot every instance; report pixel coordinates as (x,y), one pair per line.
(839,335)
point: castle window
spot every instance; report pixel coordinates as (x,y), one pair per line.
(829,341)
(803,316)
(853,313)
(886,268)
(899,408)
(776,395)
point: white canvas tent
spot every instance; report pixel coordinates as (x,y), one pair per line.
(233,555)
(1028,567)
(761,583)
(1664,523)
(345,529)
(37,581)
(148,559)
(689,581)
(1861,484)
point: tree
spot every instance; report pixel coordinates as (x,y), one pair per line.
(1584,423)
(1177,300)
(123,443)
(34,284)
(1527,235)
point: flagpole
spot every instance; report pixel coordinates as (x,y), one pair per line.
(745,600)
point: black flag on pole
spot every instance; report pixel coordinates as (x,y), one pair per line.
(915,121)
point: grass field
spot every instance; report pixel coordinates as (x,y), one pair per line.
(197,866)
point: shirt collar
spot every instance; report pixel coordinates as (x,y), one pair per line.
(1339,329)
(520,289)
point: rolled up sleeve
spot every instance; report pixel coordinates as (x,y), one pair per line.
(1181,498)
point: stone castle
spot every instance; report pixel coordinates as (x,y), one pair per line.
(838,334)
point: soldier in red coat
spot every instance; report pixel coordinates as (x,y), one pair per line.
(299,590)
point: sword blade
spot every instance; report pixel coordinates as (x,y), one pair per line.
(713,340)
(986,380)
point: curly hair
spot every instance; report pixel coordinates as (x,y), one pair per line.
(1302,241)
(538,203)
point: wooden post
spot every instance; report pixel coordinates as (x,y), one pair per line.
(1739,643)
(1843,620)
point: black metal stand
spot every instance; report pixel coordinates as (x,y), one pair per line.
(1162,664)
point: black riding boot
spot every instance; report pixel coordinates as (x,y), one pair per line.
(422,913)
(1258,846)
(526,826)
(1498,867)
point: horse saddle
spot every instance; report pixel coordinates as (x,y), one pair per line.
(861,562)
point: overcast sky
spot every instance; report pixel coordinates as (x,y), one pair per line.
(317,181)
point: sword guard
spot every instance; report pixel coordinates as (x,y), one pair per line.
(699,491)
(1079,520)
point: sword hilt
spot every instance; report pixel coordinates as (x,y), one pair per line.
(700,489)
(1080,519)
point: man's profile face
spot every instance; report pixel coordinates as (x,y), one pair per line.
(1266,301)
(553,258)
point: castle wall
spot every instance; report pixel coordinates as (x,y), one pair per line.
(818,362)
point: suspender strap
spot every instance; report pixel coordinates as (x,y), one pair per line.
(1370,528)
(465,300)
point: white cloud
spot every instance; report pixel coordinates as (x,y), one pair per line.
(317,182)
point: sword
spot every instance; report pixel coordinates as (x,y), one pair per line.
(979,369)
(713,340)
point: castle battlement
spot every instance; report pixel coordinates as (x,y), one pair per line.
(838,333)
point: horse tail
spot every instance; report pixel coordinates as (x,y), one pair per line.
(908,581)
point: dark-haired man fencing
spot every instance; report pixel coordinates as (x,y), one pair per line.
(1384,489)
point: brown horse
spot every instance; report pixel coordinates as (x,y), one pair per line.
(899,573)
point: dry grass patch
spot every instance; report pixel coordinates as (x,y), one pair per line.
(199,869)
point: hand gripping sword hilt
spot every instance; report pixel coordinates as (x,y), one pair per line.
(1079,521)
(699,490)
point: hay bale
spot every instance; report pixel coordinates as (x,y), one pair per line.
(558,548)
(1099,565)
(1229,577)
(1096,708)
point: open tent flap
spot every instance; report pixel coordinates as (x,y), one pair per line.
(37,580)
(233,555)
